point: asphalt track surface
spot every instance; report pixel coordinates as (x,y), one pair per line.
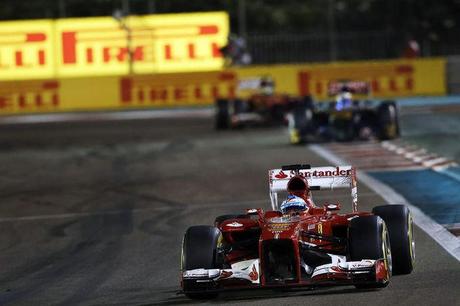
(433,128)
(94,213)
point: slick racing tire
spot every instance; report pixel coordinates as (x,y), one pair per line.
(368,239)
(399,222)
(222,119)
(300,121)
(223,218)
(388,120)
(200,250)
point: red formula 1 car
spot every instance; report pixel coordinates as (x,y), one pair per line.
(264,107)
(299,246)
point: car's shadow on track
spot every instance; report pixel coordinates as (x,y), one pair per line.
(259,294)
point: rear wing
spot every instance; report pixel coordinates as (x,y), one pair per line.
(355,87)
(319,178)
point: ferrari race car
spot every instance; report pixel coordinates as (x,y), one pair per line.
(262,107)
(344,119)
(299,248)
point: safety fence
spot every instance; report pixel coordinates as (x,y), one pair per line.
(291,48)
(322,46)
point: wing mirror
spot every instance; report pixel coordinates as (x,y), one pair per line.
(332,207)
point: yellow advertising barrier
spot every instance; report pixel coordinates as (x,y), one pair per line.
(27,50)
(395,78)
(390,78)
(100,46)
(105,93)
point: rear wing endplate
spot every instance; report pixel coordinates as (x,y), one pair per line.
(319,178)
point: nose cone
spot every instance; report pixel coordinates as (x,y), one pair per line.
(280,230)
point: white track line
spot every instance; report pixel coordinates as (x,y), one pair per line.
(439,233)
(68,215)
(110,115)
(419,156)
(452,226)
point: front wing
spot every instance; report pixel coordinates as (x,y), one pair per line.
(246,274)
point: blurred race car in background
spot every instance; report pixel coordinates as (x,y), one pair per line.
(262,107)
(346,118)
(292,247)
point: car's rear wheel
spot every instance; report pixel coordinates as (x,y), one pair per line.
(368,239)
(300,121)
(200,250)
(388,120)
(400,227)
(222,116)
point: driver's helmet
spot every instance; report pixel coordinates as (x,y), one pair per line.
(293,203)
(343,101)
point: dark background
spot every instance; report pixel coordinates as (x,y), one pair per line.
(294,31)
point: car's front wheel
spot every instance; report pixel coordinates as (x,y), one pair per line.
(399,221)
(368,239)
(200,250)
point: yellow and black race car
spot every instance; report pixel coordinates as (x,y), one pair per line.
(344,119)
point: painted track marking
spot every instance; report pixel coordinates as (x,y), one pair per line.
(389,156)
(109,115)
(438,232)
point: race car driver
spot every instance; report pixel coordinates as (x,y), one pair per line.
(299,197)
(344,100)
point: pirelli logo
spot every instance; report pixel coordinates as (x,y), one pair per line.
(81,47)
(176,90)
(29,96)
(102,46)
(383,78)
(19,57)
(26,50)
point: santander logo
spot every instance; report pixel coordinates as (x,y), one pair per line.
(281,175)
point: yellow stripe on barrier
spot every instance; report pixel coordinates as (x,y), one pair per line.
(390,78)
(394,78)
(102,46)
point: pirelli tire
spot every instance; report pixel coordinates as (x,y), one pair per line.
(388,120)
(222,115)
(200,250)
(400,227)
(368,238)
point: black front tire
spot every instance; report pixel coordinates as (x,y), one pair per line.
(200,249)
(400,227)
(368,239)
